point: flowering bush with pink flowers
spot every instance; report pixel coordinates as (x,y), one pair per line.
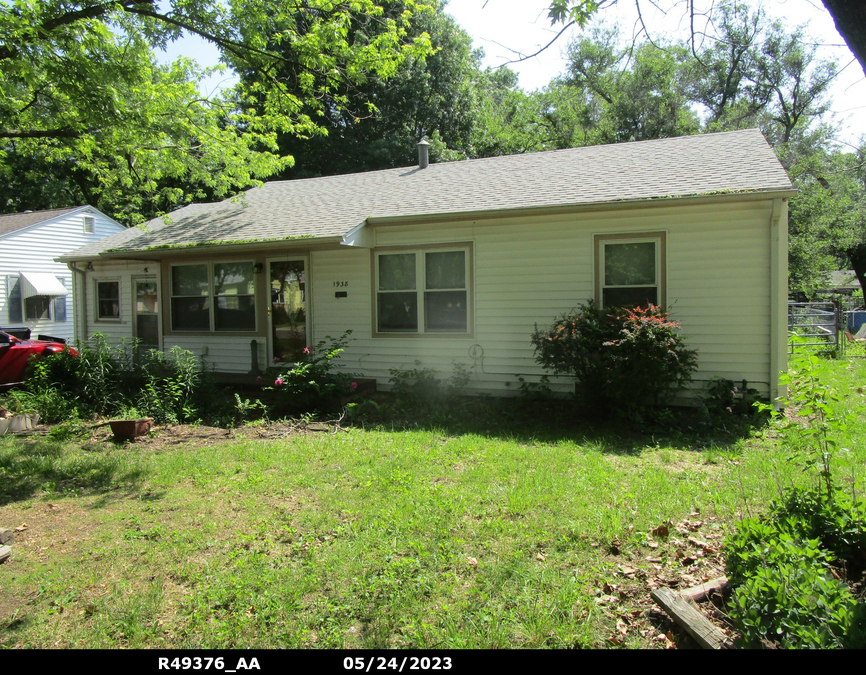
(623,359)
(315,382)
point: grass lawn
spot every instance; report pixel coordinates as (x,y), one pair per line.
(444,536)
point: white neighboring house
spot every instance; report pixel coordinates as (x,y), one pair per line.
(36,290)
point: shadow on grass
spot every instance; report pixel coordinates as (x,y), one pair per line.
(31,466)
(554,421)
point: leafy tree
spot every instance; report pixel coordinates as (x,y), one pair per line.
(507,120)
(721,77)
(792,78)
(848,15)
(375,123)
(622,93)
(81,93)
(464,111)
(827,222)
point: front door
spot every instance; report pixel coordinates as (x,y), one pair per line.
(146,312)
(288,310)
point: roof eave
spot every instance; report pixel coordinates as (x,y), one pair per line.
(265,245)
(645,202)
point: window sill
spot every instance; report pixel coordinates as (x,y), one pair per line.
(415,336)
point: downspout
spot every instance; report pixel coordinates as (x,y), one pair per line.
(778,296)
(75,301)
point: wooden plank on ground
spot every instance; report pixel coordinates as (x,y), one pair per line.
(5,552)
(694,623)
(698,593)
(6,536)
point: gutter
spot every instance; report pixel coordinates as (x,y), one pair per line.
(263,246)
(644,202)
(83,313)
(778,297)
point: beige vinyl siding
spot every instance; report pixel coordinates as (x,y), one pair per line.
(228,354)
(34,248)
(530,270)
(123,273)
(527,271)
(225,354)
(331,315)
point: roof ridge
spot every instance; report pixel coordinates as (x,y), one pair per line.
(513,156)
(28,212)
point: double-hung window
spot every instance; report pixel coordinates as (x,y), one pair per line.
(630,270)
(213,297)
(424,291)
(107,300)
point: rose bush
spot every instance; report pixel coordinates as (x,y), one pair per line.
(315,382)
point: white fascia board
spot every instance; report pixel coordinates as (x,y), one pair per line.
(359,236)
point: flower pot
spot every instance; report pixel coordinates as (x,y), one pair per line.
(23,422)
(126,430)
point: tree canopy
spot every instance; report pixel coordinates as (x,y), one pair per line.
(849,17)
(88,115)
(85,105)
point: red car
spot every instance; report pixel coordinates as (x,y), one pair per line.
(15,353)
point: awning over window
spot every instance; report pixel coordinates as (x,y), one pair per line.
(39,283)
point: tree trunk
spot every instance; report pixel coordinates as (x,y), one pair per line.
(850,19)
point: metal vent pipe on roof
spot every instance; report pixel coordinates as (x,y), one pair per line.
(423,154)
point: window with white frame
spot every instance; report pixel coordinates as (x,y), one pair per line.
(630,270)
(226,287)
(89,224)
(423,291)
(107,300)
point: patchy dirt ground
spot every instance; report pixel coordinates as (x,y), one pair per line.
(47,532)
(164,437)
(677,556)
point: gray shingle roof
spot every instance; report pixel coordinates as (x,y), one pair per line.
(18,221)
(738,161)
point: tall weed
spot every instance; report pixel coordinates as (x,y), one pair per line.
(107,380)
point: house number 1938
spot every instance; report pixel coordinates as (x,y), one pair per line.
(341,284)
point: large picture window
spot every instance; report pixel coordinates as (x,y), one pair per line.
(227,288)
(423,291)
(630,270)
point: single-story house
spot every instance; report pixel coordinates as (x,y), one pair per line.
(455,263)
(35,286)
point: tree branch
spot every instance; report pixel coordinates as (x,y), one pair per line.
(49,133)
(68,18)
(525,58)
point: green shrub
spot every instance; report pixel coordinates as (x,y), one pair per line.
(314,382)
(725,397)
(782,569)
(793,600)
(838,523)
(421,386)
(622,359)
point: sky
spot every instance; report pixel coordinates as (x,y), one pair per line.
(506,29)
